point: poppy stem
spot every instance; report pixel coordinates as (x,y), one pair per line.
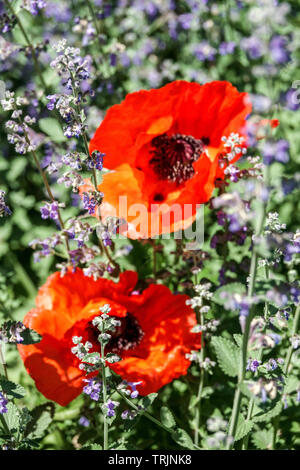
(104,391)
(244,349)
(108,255)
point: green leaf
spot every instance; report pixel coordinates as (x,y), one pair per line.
(206,393)
(245,389)
(11,389)
(91,447)
(42,416)
(193,401)
(147,401)
(227,355)
(12,417)
(238,338)
(261,416)
(92,358)
(17,167)
(2,90)
(122,444)
(167,417)
(30,337)
(243,428)
(183,439)
(263,439)
(52,128)
(232,288)
(72,413)
(292,384)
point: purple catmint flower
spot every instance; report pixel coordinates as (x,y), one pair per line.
(276,338)
(276,151)
(89,203)
(33,6)
(125,414)
(295,294)
(50,210)
(52,100)
(221,216)
(133,385)
(111,406)
(263,395)
(105,236)
(83,421)
(253,46)
(92,389)
(3,404)
(4,209)
(185,20)
(172,28)
(282,151)
(15,332)
(227,47)
(291,249)
(59,11)
(278,49)
(96,160)
(271,364)
(295,341)
(288,186)
(204,51)
(253,365)
(105,11)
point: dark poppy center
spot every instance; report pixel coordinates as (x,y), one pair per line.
(173,156)
(127,336)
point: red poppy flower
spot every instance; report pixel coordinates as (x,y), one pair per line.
(153,339)
(164,147)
